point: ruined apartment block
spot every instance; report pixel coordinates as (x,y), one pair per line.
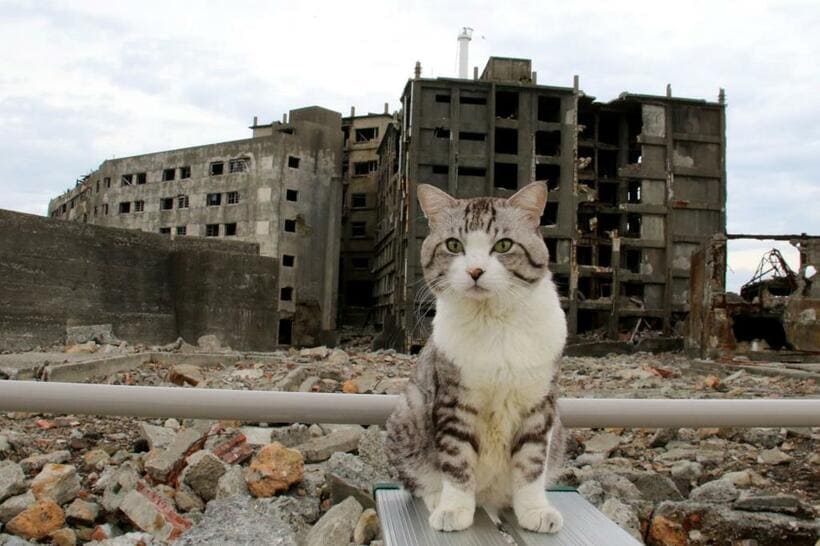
(362,137)
(280,189)
(636,186)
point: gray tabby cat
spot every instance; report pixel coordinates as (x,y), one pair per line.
(478,423)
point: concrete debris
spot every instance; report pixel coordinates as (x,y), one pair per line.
(12,479)
(321,448)
(203,473)
(14,505)
(367,528)
(275,468)
(197,470)
(102,334)
(152,513)
(186,374)
(240,521)
(82,512)
(37,521)
(34,463)
(336,527)
(163,464)
(58,482)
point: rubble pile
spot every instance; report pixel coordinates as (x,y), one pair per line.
(119,481)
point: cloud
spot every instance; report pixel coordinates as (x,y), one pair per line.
(90,80)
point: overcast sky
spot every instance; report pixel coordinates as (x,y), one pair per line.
(84,81)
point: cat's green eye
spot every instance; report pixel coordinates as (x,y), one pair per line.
(454,246)
(503,246)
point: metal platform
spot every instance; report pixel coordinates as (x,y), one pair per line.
(404,523)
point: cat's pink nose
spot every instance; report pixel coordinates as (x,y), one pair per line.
(475,273)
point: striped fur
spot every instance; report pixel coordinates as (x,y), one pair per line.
(478,423)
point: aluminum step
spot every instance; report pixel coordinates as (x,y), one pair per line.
(404,523)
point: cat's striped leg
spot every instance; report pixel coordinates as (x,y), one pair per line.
(528,456)
(457,452)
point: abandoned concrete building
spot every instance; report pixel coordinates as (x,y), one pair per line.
(279,189)
(362,137)
(636,186)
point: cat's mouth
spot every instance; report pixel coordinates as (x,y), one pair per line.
(477,292)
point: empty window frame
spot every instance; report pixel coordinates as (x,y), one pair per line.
(363,168)
(232,197)
(212,230)
(125,207)
(165,230)
(473,100)
(633,194)
(360,263)
(105,209)
(166,203)
(468,135)
(506,141)
(127,179)
(98,187)
(71,203)
(285,331)
(185,172)
(442,98)
(239,165)
(548,143)
(358,200)
(633,225)
(441,169)
(551,174)
(472,171)
(168,174)
(583,254)
(632,259)
(358,229)
(506,176)
(550,215)
(506,105)
(182,202)
(291,195)
(608,193)
(441,132)
(142,178)
(286,293)
(217,168)
(293,162)
(230,229)
(288,260)
(366,134)
(549,109)
(213,199)
(182,230)
(290,226)
(139,206)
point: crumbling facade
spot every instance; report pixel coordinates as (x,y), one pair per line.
(776,310)
(279,189)
(635,186)
(362,137)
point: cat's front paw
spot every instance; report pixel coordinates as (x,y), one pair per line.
(456,518)
(541,519)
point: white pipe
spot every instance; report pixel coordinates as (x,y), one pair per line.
(463,48)
(297,407)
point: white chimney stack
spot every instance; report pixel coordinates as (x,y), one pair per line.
(463,46)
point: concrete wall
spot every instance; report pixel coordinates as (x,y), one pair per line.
(291,173)
(150,288)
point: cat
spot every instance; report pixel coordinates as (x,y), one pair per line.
(478,423)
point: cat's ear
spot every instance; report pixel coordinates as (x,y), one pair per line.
(532,199)
(433,200)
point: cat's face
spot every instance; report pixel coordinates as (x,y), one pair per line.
(484,247)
